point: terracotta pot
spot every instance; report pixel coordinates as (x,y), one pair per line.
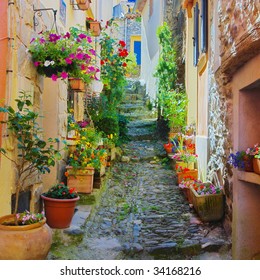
(256,165)
(94,27)
(248,164)
(81,179)
(83,4)
(59,212)
(77,84)
(28,242)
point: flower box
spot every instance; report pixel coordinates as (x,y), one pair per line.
(209,207)
(94,27)
(76,84)
(179,163)
(193,173)
(81,179)
(83,4)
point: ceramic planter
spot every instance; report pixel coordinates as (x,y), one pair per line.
(77,84)
(59,212)
(28,242)
(81,179)
(209,207)
(256,165)
(83,4)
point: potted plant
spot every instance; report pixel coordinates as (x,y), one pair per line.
(242,160)
(183,172)
(208,201)
(59,205)
(185,160)
(83,4)
(93,26)
(64,55)
(186,184)
(33,156)
(84,160)
(256,159)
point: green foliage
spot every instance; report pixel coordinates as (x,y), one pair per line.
(132,69)
(61,191)
(123,121)
(172,99)
(34,153)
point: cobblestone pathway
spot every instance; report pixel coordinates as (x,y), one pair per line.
(141,214)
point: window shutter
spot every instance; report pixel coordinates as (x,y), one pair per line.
(204,23)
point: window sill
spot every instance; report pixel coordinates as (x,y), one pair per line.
(249,177)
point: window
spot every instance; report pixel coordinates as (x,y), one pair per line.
(204,29)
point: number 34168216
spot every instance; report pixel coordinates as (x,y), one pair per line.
(177,271)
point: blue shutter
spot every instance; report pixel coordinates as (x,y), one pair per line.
(137,51)
(196,35)
(204,23)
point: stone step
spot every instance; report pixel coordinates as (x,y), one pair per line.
(128,108)
(142,123)
(134,97)
(139,115)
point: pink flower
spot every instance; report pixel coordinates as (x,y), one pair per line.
(68,60)
(37,63)
(82,36)
(54,77)
(80,56)
(91,69)
(64,75)
(92,51)
(89,39)
(33,39)
(72,56)
(67,35)
(42,40)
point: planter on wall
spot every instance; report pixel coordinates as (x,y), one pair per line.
(83,4)
(76,84)
(59,212)
(94,27)
(81,179)
(24,242)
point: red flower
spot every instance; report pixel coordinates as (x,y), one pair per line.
(124,64)
(71,190)
(122,43)
(102,62)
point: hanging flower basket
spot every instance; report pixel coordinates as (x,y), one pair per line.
(83,4)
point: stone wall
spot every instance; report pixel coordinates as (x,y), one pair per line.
(237,24)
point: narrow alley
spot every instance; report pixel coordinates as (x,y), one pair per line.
(141,213)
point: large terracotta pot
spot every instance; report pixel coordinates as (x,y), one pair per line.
(28,242)
(59,212)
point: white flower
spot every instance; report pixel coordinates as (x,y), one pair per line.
(52,62)
(47,63)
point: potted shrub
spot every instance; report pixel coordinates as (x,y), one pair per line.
(64,55)
(59,205)
(33,156)
(208,201)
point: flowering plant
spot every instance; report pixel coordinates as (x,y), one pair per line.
(28,218)
(186,157)
(189,182)
(61,191)
(255,151)
(65,55)
(207,189)
(241,158)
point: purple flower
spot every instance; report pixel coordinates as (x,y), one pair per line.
(42,40)
(82,36)
(33,39)
(91,69)
(72,56)
(67,35)
(54,37)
